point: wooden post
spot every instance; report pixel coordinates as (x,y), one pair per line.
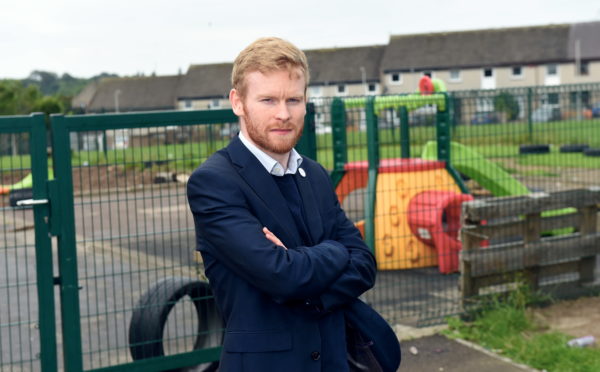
(532,234)
(588,225)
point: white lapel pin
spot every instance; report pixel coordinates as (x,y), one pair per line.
(302,172)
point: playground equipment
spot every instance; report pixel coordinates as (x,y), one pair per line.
(486,173)
(415,199)
(490,176)
(412,206)
(25,183)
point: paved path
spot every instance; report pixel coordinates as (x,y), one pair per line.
(437,353)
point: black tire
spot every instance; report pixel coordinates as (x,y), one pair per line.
(573,148)
(152,310)
(592,151)
(534,149)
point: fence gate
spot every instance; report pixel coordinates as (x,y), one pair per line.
(27,335)
(126,239)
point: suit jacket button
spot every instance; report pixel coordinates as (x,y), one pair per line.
(315,355)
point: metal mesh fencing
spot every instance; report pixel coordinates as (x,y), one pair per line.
(26,335)
(142,292)
(402,166)
(19,339)
(496,143)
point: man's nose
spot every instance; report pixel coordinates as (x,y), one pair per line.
(283,112)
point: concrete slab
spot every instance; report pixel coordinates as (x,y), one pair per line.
(437,353)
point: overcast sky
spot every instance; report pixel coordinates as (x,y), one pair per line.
(126,37)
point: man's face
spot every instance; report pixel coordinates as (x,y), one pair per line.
(272,109)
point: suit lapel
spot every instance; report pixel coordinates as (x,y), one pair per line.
(313,217)
(261,182)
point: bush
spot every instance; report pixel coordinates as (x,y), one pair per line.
(507,103)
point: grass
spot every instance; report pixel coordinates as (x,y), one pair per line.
(507,328)
(490,140)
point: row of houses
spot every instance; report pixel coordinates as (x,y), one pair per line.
(545,55)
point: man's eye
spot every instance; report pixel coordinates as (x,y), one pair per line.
(294,100)
(267,100)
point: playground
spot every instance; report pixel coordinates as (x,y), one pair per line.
(402,182)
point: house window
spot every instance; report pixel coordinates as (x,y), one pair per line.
(396,78)
(314,91)
(584,68)
(553,99)
(582,97)
(188,104)
(488,72)
(455,75)
(341,89)
(215,103)
(517,71)
(371,88)
(551,70)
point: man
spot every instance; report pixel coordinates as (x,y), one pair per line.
(285,264)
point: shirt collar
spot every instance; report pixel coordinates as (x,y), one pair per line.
(271,165)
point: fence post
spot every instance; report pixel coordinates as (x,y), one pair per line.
(404,133)
(338,137)
(529,113)
(588,224)
(307,145)
(67,247)
(373,157)
(43,246)
(532,234)
(442,127)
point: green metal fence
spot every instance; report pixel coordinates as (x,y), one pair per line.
(27,312)
(492,143)
(124,252)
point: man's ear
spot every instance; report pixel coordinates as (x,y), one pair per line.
(236,101)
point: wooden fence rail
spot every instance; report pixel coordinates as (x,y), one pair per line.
(537,238)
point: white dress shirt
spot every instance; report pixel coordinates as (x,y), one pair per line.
(271,165)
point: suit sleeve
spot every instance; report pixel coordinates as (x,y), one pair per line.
(359,275)
(226,228)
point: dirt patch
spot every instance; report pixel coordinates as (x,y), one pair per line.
(549,179)
(577,318)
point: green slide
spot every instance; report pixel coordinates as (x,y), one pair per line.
(490,176)
(470,163)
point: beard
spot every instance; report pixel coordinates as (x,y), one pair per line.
(277,145)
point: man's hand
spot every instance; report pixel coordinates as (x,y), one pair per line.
(274,239)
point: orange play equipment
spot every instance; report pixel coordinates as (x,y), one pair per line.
(419,188)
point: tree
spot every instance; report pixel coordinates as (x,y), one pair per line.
(49,105)
(47,81)
(506,103)
(17,99)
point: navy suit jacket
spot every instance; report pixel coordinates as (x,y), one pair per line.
(283,309)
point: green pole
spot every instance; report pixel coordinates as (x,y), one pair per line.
(67,252)
(442,127)
(529,113)
(404,133)
(43,246)
(307,145)
(338,137)
(373,160)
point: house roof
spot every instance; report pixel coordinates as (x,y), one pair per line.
(588,35)
(336,65)
(206,81)
(82,99)
(490,47)
(137,94)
